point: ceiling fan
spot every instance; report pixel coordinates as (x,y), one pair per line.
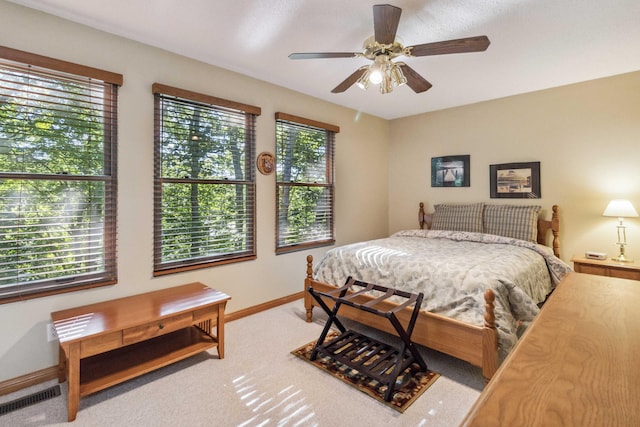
(382,48)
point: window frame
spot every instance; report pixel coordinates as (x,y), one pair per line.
(109,80)
(330,132)
(251,113)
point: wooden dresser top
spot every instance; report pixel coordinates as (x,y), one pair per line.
(577,365)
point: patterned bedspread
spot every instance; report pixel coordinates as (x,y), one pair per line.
(454,269)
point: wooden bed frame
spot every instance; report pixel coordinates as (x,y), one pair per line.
(477,345)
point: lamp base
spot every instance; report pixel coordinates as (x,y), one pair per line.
(621,258)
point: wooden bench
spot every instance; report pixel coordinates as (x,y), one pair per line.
(110,342)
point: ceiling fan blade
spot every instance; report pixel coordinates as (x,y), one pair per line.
(469,44)
(414,80)
(385,22)
(349,81)
(321,55)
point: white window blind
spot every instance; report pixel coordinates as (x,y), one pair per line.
(57,176)
(204,181)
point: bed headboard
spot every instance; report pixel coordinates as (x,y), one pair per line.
(545,227)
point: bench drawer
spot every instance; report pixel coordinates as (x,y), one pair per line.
(156,328)
(100,344)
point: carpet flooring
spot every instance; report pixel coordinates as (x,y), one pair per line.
(258,383)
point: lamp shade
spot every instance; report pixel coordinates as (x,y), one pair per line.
(620,209)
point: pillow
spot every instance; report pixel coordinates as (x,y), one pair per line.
(518,222)
(458,217)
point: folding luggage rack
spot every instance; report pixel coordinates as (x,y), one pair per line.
(372,358)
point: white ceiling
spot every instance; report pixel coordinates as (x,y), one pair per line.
(535,44)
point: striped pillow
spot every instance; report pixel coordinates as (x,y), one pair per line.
(518,222)
(458,217)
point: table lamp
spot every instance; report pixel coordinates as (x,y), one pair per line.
(621,209)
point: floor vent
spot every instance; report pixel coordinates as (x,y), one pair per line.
(32,399)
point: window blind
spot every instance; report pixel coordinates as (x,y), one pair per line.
(304,183)
(58,181)
(204,210)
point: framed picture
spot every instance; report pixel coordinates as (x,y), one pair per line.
(515,180)
(450,171)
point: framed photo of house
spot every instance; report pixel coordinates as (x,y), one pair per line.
(450,171)
(515,180)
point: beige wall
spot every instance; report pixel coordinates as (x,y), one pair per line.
(586,137)
(361,164)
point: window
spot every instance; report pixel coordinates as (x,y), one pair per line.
(204,210)
(57,176)
(304,183)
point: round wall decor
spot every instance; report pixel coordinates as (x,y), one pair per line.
(266,163)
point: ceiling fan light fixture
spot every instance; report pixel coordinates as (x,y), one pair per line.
(397,76)
(375,77)
(363,81)
(387,85)
(377,70)
(383,72)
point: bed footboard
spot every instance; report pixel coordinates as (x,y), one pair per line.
(477,345)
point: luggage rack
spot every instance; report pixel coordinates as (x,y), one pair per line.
(377,360)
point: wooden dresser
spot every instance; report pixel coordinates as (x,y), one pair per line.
(106,343)
(577,365)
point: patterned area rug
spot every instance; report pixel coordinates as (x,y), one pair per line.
(409,386)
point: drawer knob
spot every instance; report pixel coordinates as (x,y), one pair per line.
(161,326)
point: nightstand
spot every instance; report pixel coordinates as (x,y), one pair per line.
(610,268)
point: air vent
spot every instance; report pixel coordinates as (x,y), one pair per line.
(32,399)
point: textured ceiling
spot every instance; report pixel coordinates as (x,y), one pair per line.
(535,44)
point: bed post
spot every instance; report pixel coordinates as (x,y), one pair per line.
(554,225)
(308,304)
(555,229)
(421,216)
(489,337)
